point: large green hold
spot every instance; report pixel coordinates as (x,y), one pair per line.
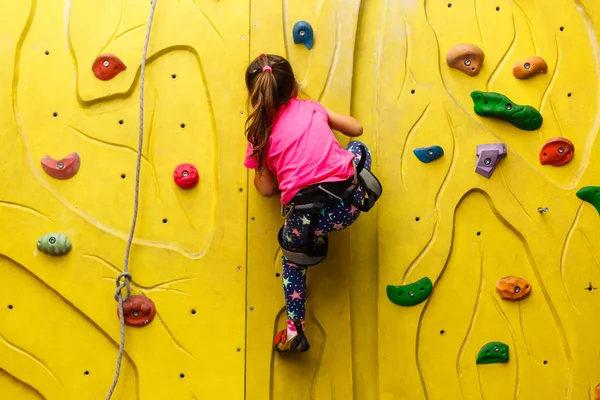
(591,194)
(493,353)
(54,244)
(411,294)
(491,104)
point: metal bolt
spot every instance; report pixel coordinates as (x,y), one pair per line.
(136,313)
(52,240)
(509,106)
(467,62)
(61,165)
(487,161)
(106,63)
(527,65)
(496,349)
(185,174)
(543,210)
(517,289)
(302,32)
(561,150)
(430,152)
(411,294)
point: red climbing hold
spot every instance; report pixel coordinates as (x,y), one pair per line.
(61,169)
(186,176)
(557,151)
(138,311)
(107,67)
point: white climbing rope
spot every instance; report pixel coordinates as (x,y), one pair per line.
(124,278)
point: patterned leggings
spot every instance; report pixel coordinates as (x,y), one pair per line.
(295,231)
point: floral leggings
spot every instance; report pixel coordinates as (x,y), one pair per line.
(295,231)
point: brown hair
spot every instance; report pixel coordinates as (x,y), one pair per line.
(271,83)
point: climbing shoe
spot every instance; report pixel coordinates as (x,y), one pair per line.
(292,338)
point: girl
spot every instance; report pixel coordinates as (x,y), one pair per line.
(291,148)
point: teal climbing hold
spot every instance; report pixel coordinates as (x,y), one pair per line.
(591,194)
(493,353)
(428,154)
(411,294)
(491,104)
(303,34)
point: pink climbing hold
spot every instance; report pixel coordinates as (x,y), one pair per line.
(107,66)
(186,176)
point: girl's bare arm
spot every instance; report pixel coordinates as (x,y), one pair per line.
(265,182)
(344,124)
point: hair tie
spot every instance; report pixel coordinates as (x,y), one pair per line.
(267,68)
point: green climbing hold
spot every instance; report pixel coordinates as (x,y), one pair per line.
(491,104)
(411,294)
(493,353)
(591,194)
(54,244)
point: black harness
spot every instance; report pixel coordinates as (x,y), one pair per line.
(314,199)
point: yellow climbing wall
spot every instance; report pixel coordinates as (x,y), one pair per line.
(208,257)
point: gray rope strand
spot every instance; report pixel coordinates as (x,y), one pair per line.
(124,278)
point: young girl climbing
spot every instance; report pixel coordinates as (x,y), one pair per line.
(323,187)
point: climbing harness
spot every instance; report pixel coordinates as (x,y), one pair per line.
(123,279)
(315,198)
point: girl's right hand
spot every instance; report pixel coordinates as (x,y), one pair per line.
(345,124)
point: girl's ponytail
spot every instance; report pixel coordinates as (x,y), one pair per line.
(270,83)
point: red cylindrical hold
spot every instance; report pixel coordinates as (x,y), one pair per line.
(138,311)
(186,176)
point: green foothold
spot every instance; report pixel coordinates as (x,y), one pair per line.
(54,244)
(591,194)
(493,353)
(491,104)
(411,294)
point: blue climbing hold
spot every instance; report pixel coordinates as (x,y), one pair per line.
(304,34)
(428,154)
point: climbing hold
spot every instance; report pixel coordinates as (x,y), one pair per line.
(138,311)
(107,66)
(303,34)
(64,168)
(428,154)
(591,194)
(491,104)
(513,288)
(557,151)
(466,58)
(54,244)
(186,176)
(411,294)
(493,353)
(488,156)
(531,66)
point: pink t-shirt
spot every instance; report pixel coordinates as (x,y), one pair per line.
(302,150)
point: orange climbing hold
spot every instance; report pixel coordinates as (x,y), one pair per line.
(107,66)
(138,311)
(597,393)
(557,151)
(467,58)
(513,288)
(531,66)
(64,168)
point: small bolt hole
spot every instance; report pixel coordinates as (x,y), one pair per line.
(55,114)
(47,53)
(121,122)
(449,5)
(277,275)
(498,8)
(240,190)
(412,91)
(569,94)
(86,373)
(478,233)
(174,76)
(251,308)
(442,332)
(193,312)
(123,176)
(545,362)
(238,350)
(10,306)
(165,220)
(417,219)
(562,28)
(182,375)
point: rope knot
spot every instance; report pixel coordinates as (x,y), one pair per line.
(122,282)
